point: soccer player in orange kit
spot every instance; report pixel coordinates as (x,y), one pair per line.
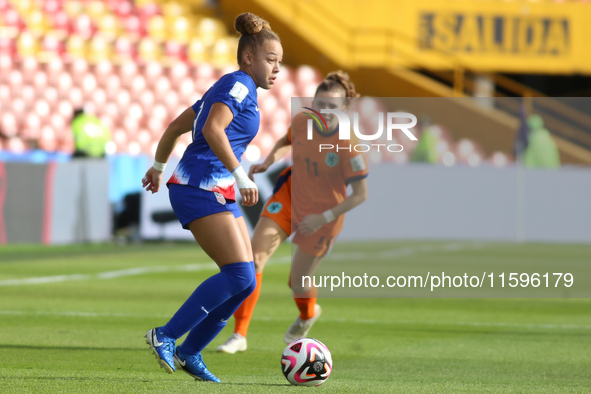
(312,204)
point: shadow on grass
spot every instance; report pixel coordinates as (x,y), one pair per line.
(75,378)
(257,384)
(38,347)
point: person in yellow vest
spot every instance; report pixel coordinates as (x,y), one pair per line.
(541,151)
(90,135)
(426,149)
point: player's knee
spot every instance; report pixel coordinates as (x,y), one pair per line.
(260,260)
(240,275)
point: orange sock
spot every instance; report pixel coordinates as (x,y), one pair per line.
(306,305)
(244,312)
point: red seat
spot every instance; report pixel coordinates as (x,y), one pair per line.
(42,108)
(156,126)
(31,128)
(12,22)
(138,84)
(171,101)
(160,112)
(54,67)
(7,46)
(124,8)
(61,23)
(131,127)
(174,50)
(123,100)
(112,111)
(152,70)
(40,80)
(59,124)
(29,67)
(51,44)
(149,10)
(125,49)
(75,97)
(64,83)
(5,94)
(15,80)
(27,93)
(177,72)
(89,86)
(83,26)
(16,145)
(112,85)
(6,65)
(51,95)
(133,27)
(47,140)
(187,92)
(136,112)
(65,110)
(147,101)
(8,124)
(161,86)
(126,73)
(204,71)
(99,98)
(78,68)
(50,7)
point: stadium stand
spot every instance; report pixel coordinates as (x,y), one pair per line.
(125,61)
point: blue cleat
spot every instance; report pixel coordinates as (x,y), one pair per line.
(194,366)
(163,348)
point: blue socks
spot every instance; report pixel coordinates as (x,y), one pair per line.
(209,307)
(210,327)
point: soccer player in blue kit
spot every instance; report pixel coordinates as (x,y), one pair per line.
(202,195)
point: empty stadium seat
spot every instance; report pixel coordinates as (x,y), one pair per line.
(27,44)
(61,24)
(125,50)
(149,50)
(8,124)
(12,22)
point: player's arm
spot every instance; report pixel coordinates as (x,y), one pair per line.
(311,223)
(219,118)
(182,124)
(280,149)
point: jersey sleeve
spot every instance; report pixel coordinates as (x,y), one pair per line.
(232,92)
(354,165)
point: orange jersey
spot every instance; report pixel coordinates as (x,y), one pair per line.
(320,177)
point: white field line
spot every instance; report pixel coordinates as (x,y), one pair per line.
(340,320)
(386,254)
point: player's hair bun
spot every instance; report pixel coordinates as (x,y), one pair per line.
(249,23)
(337,79)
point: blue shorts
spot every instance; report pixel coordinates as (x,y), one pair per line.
(190,203)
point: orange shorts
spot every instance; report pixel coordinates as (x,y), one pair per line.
(278,209)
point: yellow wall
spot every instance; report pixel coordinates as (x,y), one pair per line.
(486,35)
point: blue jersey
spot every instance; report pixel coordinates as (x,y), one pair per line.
(199,166)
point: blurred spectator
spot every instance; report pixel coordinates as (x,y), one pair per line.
(541,151)
(90,135)
(426,150)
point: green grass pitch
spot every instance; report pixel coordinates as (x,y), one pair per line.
(80,329)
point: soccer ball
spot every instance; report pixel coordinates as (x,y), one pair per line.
(306,362)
